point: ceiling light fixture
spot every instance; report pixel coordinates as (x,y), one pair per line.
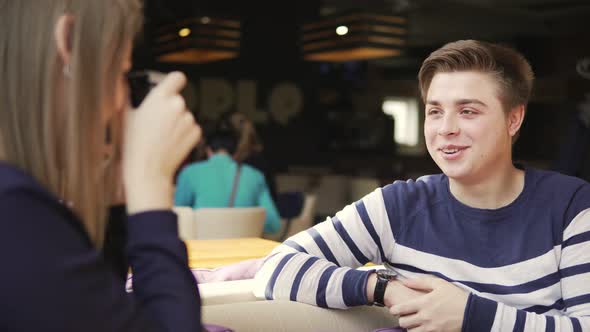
(199,40)
(354,35)
(342,30)
(184,32)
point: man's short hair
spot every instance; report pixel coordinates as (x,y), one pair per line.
(223,140)
(510,69)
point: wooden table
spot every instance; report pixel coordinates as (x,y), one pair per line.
(215,253)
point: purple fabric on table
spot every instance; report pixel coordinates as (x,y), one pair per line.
(390,329)
(238,271)
(215,328)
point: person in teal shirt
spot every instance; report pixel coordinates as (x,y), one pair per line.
(209,183)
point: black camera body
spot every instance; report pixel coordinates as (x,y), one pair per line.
(140,84)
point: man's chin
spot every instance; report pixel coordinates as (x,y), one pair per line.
(455,173)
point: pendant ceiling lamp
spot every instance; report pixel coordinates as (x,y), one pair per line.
(353,35)
(199,40)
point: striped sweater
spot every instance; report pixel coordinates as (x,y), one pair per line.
(526,265)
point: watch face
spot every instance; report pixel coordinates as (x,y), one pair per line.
(387,274)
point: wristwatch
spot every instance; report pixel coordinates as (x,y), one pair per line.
(383,278)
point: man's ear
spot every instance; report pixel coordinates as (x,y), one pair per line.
(515,119)
(63,37)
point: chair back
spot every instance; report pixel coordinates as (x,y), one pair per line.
(227,223)
(306,219)
(303,221)
(360,187)
(186,221)
(333,194)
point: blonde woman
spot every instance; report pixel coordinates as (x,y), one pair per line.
(63,64)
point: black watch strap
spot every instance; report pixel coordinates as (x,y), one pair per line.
(383,278)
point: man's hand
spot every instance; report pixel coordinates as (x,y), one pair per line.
(397,293)
(442,309)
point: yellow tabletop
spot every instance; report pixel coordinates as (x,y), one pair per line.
(216,253)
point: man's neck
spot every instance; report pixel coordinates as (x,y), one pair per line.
(497,190)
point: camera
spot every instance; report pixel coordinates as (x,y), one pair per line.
(140,84)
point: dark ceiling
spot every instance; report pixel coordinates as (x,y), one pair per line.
(551,33)
(428,18)
(270,29)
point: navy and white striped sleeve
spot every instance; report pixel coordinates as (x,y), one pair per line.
(486,315)
(317,266)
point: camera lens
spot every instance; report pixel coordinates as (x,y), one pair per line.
(139,86)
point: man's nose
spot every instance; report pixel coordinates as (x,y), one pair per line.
(449,125)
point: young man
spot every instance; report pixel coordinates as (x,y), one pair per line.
(485,246)
(210,183)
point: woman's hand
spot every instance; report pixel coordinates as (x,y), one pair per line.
(158,136)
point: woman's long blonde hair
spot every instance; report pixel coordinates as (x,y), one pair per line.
(56,134)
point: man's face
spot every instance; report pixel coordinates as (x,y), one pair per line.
(466,130)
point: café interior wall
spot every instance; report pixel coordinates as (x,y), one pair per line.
(325,135)
(341,104)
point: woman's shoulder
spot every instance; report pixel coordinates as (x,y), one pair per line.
(14,182)
(13,178)
(23,197)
